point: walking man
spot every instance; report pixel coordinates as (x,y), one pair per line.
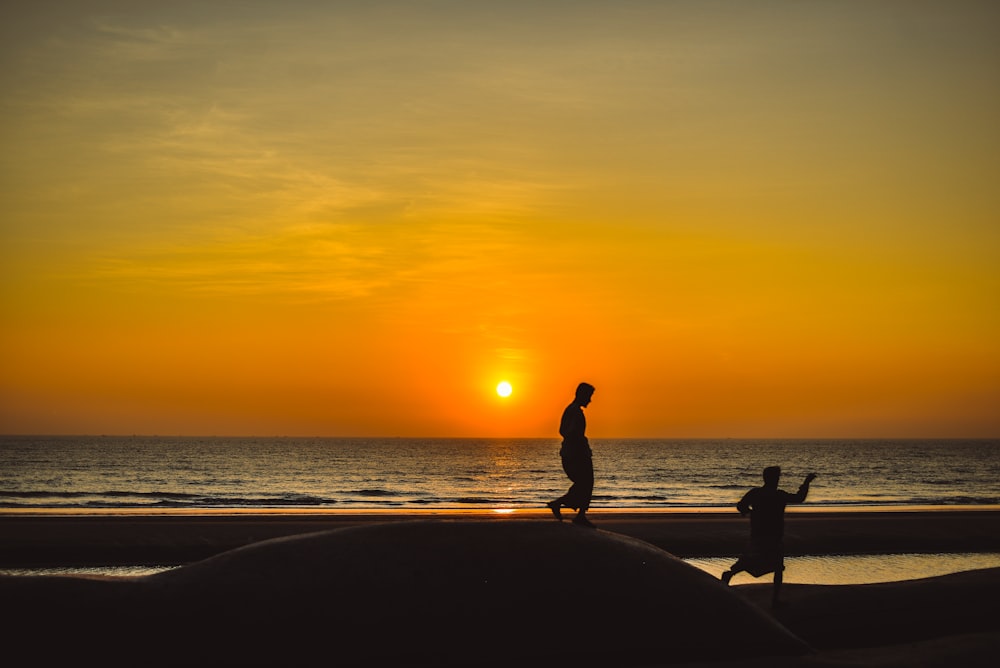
(576,458)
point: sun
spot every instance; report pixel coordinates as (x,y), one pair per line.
(504,389)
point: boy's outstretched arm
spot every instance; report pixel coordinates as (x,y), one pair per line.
(800,496)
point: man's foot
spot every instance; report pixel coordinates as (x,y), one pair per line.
(554,507)
(582,521)
(726,577)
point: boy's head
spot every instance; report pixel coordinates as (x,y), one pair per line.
(772,474)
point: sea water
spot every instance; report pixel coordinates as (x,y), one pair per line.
(141,472)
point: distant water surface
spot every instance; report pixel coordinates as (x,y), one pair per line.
(80,473)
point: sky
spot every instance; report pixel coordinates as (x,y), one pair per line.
(735,219)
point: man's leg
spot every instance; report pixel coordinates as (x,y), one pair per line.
(583,481)
(571,467)
(567,499)
(554,506)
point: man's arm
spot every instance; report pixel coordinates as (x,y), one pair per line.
(744,505)
(800,496)
(572,426)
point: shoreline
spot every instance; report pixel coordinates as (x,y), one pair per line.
(484,509)
(179,536)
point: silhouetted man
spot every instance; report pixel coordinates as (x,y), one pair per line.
(766,506)
(576,458)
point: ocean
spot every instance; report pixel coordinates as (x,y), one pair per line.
(356,474)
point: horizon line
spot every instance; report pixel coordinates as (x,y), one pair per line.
(469,437)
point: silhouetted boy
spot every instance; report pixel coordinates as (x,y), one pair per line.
(766,506)
(576,457)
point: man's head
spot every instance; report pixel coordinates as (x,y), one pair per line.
(584,391)
(772,474)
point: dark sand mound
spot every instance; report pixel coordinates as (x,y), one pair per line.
(410,593)
(869,615)
(939,622)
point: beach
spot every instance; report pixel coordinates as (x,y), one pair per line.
(122,537)
(947,620)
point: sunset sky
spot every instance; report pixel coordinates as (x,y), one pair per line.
(746,219)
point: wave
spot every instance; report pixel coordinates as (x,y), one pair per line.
(380,497)
(82,495)
(480,501)
(151,500)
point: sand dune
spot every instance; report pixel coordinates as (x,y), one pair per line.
(475,593)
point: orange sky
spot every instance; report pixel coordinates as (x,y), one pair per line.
(768,219)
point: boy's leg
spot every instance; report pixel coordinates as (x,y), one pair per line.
(733,570)
(778,578)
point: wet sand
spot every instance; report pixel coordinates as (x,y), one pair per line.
(54,539)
